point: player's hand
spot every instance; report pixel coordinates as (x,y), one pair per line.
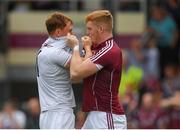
(86,41)
(72,40)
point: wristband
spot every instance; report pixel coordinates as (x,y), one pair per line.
(76,48)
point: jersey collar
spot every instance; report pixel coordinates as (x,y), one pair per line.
(102,44)
(57,41)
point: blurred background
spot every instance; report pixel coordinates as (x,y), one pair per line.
(146,30)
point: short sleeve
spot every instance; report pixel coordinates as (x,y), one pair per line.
(60,57)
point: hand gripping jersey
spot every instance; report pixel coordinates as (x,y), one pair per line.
(54,85)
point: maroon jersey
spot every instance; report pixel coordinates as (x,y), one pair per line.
(101,89)
(174,118)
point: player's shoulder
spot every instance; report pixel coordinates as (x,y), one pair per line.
(112,43)
(107,45)
(112,46)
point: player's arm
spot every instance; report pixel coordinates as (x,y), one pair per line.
(80,68)
(71,42)
(67,66)
(87,43)
(61,57)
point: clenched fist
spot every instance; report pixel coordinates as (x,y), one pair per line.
(86,41)
(72,41)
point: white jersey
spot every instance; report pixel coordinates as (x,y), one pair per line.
(54,85)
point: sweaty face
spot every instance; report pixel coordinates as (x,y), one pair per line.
(92,31)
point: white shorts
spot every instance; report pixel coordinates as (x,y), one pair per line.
(104,120)
(57,119)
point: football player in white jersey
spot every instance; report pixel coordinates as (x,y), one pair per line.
(54,85)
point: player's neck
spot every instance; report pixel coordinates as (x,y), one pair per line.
(57,34)
(104,37)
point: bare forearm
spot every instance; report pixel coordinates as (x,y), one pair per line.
(87,46)
(82,67)
(88,53)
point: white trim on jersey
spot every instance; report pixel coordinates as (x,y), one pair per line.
(99,66)
(104,50)
(68,60)
(94,91)
(111,88)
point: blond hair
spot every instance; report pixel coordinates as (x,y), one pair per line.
(101,17)
(57,20)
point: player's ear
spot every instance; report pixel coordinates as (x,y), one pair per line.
(101,29)
(58,31)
